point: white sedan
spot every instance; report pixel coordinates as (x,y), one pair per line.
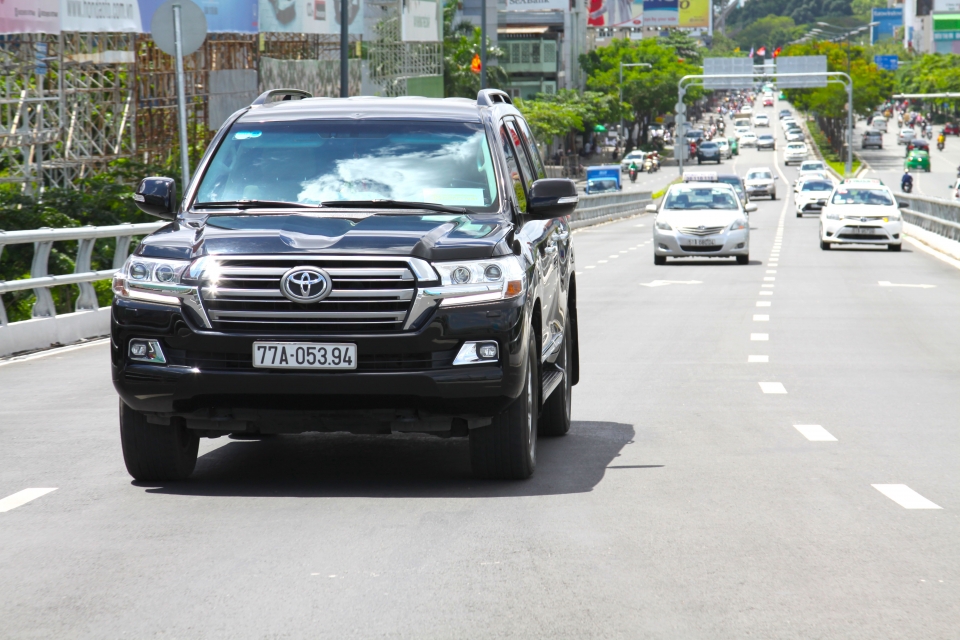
(795,152)
(701,220)
(794,135)
(906,135)
(748,139)
(633,156)
(761,120)
(812,195)
(861,211)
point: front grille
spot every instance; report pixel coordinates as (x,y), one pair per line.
(368,295)
(366,362)
(861,236)
(701,249)
(700,231)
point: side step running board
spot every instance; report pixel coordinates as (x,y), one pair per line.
(550,380)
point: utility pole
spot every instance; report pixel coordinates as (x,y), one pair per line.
(483,44)
(344,48)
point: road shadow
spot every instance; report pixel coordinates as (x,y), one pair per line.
(409,466)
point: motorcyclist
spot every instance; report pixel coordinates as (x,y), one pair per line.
(941,140)
(906,182)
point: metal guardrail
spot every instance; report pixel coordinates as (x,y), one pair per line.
(40,280)
(608,206)
(941,217)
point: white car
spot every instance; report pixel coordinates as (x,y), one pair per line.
(633,156)
(748,139)
(724,146)
(812,194)
(795,152)
(739,131)
(746,109)
(906,135)
(761,182)
(861,211)
(794,135)
(808,167)
(815,175)
(703,220)
(761,120)
(788,121)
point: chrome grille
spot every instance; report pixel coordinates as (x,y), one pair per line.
(700,231)
(368,295)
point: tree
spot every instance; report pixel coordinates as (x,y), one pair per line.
(801,11)
(553,116)
(770,31)
(461,42)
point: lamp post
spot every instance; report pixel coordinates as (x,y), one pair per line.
(622,65)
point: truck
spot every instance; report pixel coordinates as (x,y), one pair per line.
(603,179)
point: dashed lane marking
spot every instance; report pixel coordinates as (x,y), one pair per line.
(592,266)
(758,359)
(616,255)
(663,283)
(766,293)
(21,498)
(814,433)
(769,278)
(771,270)
(772,387)
(763,303)
(602,261)
(884,283)
(767,286)
(761,317)
(905,496)
(759,337)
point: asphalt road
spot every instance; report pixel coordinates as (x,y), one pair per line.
(687,501)
(887,163)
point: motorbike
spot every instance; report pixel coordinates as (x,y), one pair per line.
(929,133)
(940,145)
(654,163)
(906,187)
(647,165)
(633,175)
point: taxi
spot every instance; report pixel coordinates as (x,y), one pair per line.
(918,159)
(861,211)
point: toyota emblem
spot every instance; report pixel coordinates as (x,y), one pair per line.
(305,284)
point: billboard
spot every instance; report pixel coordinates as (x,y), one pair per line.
(946,6)
(614,13)
(420,22)
(30,16)
(887,63)
(661,13)
(889,20)
(694,14)
(542,5)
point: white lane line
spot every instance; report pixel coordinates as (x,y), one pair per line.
(773,264)
(885,283)
(761,317)
(766,293)
(623,252)
(639,225)
(772,387)
(770,278)
(758,358)
(592,266)
(616,255)
(814,433)
(602,261)
(579,273)
(759,337)
(763,303)
(768,286)
(663,283)
(771,270)
(53,352)
(21,498)
(905,496)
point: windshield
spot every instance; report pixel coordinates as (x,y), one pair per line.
(818,185)
(863,196)
(732,181)
(446,163)
(759,175)
(701,197)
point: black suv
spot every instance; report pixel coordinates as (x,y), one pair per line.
(371,265)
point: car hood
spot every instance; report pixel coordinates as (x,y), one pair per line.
(431,237)
(862,211)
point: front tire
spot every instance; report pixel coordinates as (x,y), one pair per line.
(824,245)
(156,452)
(507,449)
(894,247)
(555,417)
(659,260)
(743,259)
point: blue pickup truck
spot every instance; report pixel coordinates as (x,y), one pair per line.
(603,179)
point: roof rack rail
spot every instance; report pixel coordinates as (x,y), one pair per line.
(490,97)
(288,94)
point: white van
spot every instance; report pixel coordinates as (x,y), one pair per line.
(879,123)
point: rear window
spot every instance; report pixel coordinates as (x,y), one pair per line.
(817,185)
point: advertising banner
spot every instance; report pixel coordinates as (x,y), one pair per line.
(946,6)
(694,14)
(230,16)
(420,22)
(661,13)
(30,16)
(889,20)
(543,5)
(100,15)
(308,16)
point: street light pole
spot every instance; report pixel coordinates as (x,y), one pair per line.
(622,65)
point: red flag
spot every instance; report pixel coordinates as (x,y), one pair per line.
(776,52)
(475,63)
(762,51)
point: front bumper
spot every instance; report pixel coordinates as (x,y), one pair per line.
(794,157)
(811,206)
(761,190)
(211,373)
(676,244)
(855,232)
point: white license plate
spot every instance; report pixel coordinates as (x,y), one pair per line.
(703,242)
(866,231)
(304,355)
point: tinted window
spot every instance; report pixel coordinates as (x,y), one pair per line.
(521,156)
(817,185)
(514,170)
(532,150)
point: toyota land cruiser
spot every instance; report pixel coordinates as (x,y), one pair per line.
(371,265)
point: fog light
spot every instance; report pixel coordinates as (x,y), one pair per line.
(487,351)
(474,352)
(147,351)
(740,246)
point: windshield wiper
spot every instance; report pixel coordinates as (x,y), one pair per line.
(254,204)
(393,204)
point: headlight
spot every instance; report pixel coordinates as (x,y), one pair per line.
(472,281)
(664,226)
(150,279)
(738,225)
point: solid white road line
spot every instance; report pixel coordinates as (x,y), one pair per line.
(53,352)
(814,433)
(763,303)
(759,337)
(905,496)
(772,387)
(885,283)
(758,358)
(21,498)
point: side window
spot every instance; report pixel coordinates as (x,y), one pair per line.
(513,168)
(532,149)
(525,167)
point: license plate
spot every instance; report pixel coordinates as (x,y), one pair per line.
(304,355)
(866,231)
(703,242)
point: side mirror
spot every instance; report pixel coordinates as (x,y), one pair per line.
(552,198)
(651,208)
(902,205)
(157,197)
(750,207)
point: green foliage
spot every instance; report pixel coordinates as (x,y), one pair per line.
(862,8)
(801,11)
(931,73)
(553,116)
(836,162)
(101,199)
(724,47)
(461,42)
(770,31)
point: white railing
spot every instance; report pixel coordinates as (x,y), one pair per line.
(941,217)
(40,280)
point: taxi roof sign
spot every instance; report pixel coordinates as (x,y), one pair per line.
(700,176)
(861,181)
